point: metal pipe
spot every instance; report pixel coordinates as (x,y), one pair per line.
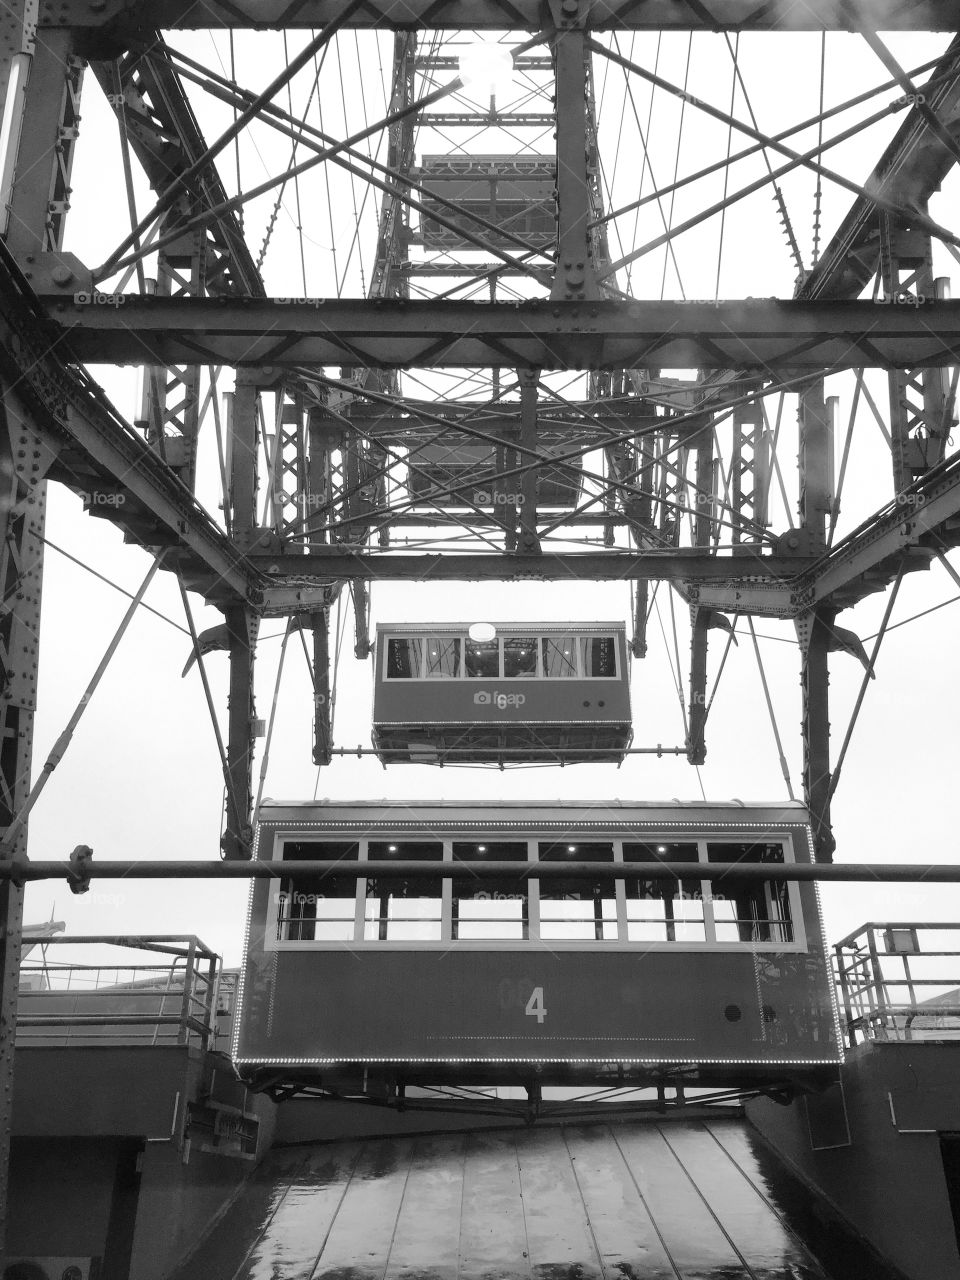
(26,1020)
(514,751)
(874,872)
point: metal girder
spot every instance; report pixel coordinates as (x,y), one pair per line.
(393,234)
(911,169)
(23,460)
(917,525)
(697,709)
(322,735)
(921,414)
(575,274)
(750,470)
(813,634)
(35,188)
(766,335)
(816,414)
(920,523)
(294,575)
(149,100)
(410,420)
(237,839)
(125,16)
(158,125)
(99,454)
(40,166)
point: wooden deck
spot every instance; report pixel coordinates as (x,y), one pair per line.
(635,1201)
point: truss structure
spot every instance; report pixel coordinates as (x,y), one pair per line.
(494,397)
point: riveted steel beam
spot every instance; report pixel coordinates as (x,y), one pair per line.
(912,167)
(97,451)
(125,16)
(765,334)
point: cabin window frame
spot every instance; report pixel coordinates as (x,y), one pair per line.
(533,838)
(671,920)
(539,637)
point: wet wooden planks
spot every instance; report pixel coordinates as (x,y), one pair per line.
(635,1201)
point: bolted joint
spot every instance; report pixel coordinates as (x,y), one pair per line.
(80,859)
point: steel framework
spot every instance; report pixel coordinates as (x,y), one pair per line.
(415,426)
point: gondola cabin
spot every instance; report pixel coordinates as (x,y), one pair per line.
(534,693)
(501,943)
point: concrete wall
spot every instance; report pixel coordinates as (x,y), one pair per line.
(100,1168)
(180,1204)
(60,1197)
(116,1090)
(887,1181)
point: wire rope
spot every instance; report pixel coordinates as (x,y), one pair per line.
(867,675)
(818,192)
(110,583)
(676,172)
(773,719)
(232,797)
(647,162)
(236,141)
(726,171)
(63,741)
(273,715)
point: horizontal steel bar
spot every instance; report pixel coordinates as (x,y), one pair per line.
(149,992)
(512,15)
(876,872)
(863,933)
(775,573)
(502,120)
(766,334)
(140,942)
(106,1019)
(472,752)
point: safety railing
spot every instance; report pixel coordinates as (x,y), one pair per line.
(164,994)
(900,981)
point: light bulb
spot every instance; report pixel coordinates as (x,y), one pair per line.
(485,66)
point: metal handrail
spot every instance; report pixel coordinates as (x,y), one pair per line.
(873,997)
(188,982)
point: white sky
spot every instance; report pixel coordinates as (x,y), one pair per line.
(142,778)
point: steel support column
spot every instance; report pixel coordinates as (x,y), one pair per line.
(322,736)
(237,840)
(527,498)
(575,277)
(750,474)
(321,441)
(36,184)
(814,633)
(816,464)
(243,443)
(921,412)
(697,711)
(22,508)
(41,184)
